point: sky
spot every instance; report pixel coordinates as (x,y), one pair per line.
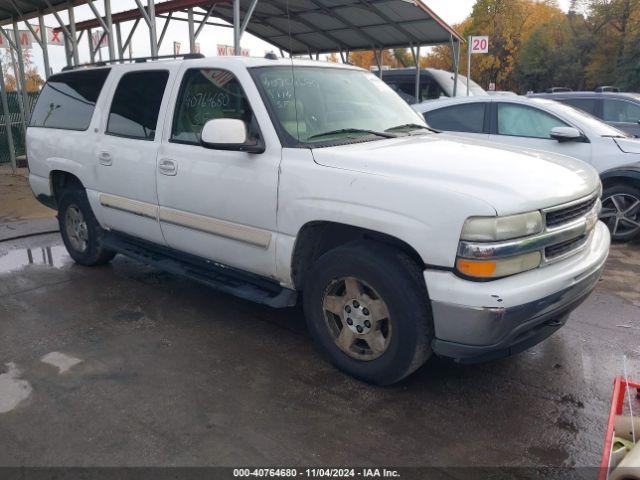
(451,11)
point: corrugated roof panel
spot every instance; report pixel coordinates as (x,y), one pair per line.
(266,8)
(388,35)
(400,11)
(319,42)
(338,3)
(352,37)
(293,26)
(264,30)
(285,42)
(429,30)
(320,25)
(322,21)
(359,16)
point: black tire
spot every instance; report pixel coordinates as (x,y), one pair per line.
(622,227)
(396,280)
(94,252)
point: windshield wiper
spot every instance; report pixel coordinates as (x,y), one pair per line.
(352,130)
(413,126)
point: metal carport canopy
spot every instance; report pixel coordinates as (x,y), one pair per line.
(29,8)
(320,26)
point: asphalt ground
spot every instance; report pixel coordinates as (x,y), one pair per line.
(124,365)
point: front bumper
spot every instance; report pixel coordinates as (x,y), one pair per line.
(478,321)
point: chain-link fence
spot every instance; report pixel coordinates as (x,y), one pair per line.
(15,120)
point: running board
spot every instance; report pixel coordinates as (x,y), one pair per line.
(225,279)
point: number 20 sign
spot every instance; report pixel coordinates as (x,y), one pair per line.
(480,44)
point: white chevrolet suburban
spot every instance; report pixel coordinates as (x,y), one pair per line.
(278,180)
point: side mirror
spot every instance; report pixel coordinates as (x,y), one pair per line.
(567,134)
(228,134)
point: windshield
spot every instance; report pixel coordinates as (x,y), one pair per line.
(332,104)
(582,118)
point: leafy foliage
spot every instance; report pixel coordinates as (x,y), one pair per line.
(534,45)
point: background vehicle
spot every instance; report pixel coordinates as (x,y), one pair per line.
(547,125)
(239,174)
(622,110)
(501,93)
(433,84)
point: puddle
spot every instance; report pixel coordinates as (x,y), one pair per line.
(61,361)
(54,256)
(13,390)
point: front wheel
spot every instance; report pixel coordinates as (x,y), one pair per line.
(81,233)
(621,211)
(367,309)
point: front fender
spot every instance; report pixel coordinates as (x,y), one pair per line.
(417,211)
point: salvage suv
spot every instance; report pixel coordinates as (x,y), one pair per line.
(279,180)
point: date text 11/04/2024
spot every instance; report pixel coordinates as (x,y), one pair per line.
(316,473)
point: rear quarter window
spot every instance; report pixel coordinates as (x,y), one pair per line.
(67,100)
(589,105)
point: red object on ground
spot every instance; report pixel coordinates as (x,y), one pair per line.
(620,386)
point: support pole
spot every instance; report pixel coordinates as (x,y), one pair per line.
(67,33)
(153,39)
(92,53)
(378,55)
(247,16)
(454,64)
(109,21)
(44,38)
(192,32)
(164,29)
(204,20)
(416,61)
(236,27)
(127,42)
(72,33)
(7,121)
(23,82)
(468,63)
(119,41)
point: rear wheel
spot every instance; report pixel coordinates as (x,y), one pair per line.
(367,309)
(621,211)
(81,233)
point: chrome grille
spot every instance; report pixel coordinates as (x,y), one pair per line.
(555,251)
(558,217)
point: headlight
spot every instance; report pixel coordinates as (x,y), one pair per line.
(487,229)
(497,268)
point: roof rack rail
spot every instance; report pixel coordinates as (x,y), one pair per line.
(104,63)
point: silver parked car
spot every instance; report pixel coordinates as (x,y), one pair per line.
(620,109)
(541,124)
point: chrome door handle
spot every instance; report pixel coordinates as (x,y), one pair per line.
(105,158)
(168,167)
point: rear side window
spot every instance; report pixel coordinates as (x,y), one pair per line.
(588,105)
(68,99)
(136,104)
(458,118)
(620,111)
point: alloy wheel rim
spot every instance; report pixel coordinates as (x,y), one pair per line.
(621,213)
(357,318)
(76,228)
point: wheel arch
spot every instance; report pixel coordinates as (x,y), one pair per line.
(60,180)
(318,237)
(622,175)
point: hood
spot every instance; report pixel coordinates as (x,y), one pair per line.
(510,180)
(628,145)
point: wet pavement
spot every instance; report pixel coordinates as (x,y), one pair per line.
(126,365)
